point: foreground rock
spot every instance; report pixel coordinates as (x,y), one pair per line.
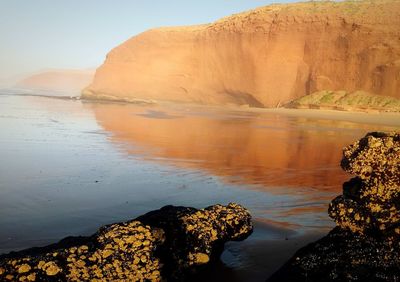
(365,245)
(370,203)
(169,243)
(261,58)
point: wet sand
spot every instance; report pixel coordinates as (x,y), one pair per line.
(372,117)
(72,166)
(260,257)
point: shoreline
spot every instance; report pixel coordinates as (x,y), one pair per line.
(385,118)
(391,118)
(364,117)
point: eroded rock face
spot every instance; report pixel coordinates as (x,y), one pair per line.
(262,58)
(365,245)
(165,244)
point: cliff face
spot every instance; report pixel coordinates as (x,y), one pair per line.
(264,57)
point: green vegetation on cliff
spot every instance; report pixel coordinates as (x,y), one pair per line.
(342,100)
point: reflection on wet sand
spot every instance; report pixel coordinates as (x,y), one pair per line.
(270,151)
(296,159)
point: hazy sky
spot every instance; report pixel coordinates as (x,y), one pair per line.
(40,34)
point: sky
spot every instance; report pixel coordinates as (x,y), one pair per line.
(37,35)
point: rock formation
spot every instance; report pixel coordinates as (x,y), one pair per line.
(371,202)
(169,243)
(262,58)
(365,245)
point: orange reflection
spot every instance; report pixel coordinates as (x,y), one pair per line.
(246,148)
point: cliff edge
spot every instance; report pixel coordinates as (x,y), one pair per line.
(261,58)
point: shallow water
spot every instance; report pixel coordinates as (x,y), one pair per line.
(70,166)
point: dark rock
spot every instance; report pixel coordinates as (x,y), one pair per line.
(374,158)
(371,202)
(195,237)
(167,244)
(344,256)
(365,245)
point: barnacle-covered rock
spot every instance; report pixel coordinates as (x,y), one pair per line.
(365,245)
(195,237)
(349,214)
(371,201)
(123,251)
(374,158)
(162,244)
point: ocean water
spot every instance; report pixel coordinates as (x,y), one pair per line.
(69,166)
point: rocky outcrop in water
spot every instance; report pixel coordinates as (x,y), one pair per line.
(169,243)
(370,203)
(261,58)
(365,245)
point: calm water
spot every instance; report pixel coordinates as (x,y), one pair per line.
(68,167)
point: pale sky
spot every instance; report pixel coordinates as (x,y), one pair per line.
(42,34)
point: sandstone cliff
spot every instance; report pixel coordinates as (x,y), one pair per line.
(265,57)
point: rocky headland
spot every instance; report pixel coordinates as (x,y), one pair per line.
(265,57)
(365,245)
(167,244)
